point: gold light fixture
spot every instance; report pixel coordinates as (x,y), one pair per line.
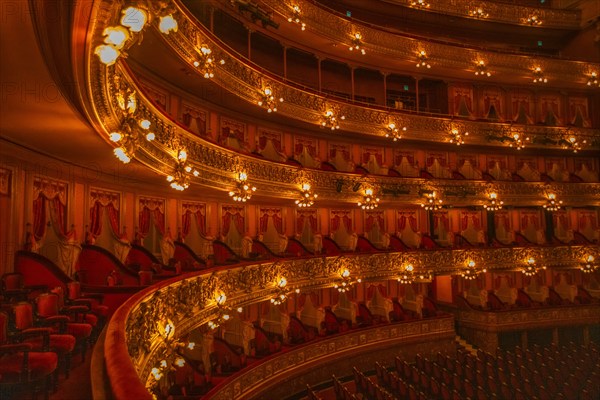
(407,275)
(180,179)
(471,272)
(422,60)
(593,80)
(552,204)
(432,203)
(533,20)
(392,131)
(330,120)
(419,4)
(127,137)
(282,292)
(517,140)
(223,312)
(538,75)
(206,63)
(357,43)
(589,266)
(346,282)
(493,204)
(268,100)
(456,137)
(478,12)
(369,201)
(481,69)
(295,18)
(571,142)
(531,268)
(243,191)
(307,196)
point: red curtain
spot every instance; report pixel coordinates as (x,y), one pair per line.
(335,223)
(371,291)
(147,215)
(412,222)
(56,209)
(465,222)
(144,222)
(264,221)
(39,217)
(186,222)
(401,223)
(236,218)
(369,223)
(347,223)
(95,227)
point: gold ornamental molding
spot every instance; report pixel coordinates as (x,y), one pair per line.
(189,302)
(398,47)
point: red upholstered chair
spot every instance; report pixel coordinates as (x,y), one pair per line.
(79,311)
(21,368)
(47,306)
(14,289)
(92,300)
(60,343)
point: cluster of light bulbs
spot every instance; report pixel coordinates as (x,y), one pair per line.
(206,63)
(530,268)
(518,141)
(392,131)
(432,203)
(457,138)
(357,43)
(478,12)
(369,201)
(331,121)
(295,18)
(346,282)
(481,69)
(307,197)
(552,204)
(493,203)
(422,60)
(588,266)
(407,276)
(470,273)
(538,76)
(268,100)
(244,190)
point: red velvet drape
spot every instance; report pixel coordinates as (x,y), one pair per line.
(42,206)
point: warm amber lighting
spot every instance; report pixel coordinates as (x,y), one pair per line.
(516,140)
(108,54)
(357,43)
(307,197)
(330,120)
(346,282)
(593,80)
(268,101)
(206,63)
(456,137)
(244,190)
(432,203)
(493,203)
(422,60)
(588,265)
(471,272)
(116,36)
(538,76)
(392,131)
(552,204)
(533,20)
(419,4)
(369,201)
(571,142)
(481,69)
(530,268)
(134,18)
(478,12)
(167,24)
(122,154)
(295,18)
(407,275)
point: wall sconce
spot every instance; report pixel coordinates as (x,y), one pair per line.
(593,80)
(419,4)
(357,43)
(478,12)
(282,292)
(369,201)
(530,268)
(588,266)
(517,140)
(432,203)
(268,100)
(422,60)
(206,63)
(470,273)
(243,191)
(481,69)
(345,282)
(493,204)
(180,179)
(330,120)
(295,18)
(223,312)
(538,76)
(128,136)
(552,204)
(393,132)
(572,143)
(407,275)
(457,137)
(533,20)
(307,197)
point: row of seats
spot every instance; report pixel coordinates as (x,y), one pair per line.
(40,330)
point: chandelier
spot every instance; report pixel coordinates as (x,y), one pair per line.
(206,63)
(393,132)
(533,20)
(470,273)
(478,12)
(530,268)
(419,4)
(481,69)
(593,80)
(571,142)
(493,204)
(422,60)
(457,137)
(268,100)
(180,179)
(307,197)
(330,120)
(295,18)
(282,292)
(518,141)
(346,282)
(223,312)
(407,275)
(432,203)
(357,43)
(133,21)
(588,266)
(552,204)
(243,191)
(369,201)
(538,76)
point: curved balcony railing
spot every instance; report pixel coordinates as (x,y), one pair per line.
(133,344)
